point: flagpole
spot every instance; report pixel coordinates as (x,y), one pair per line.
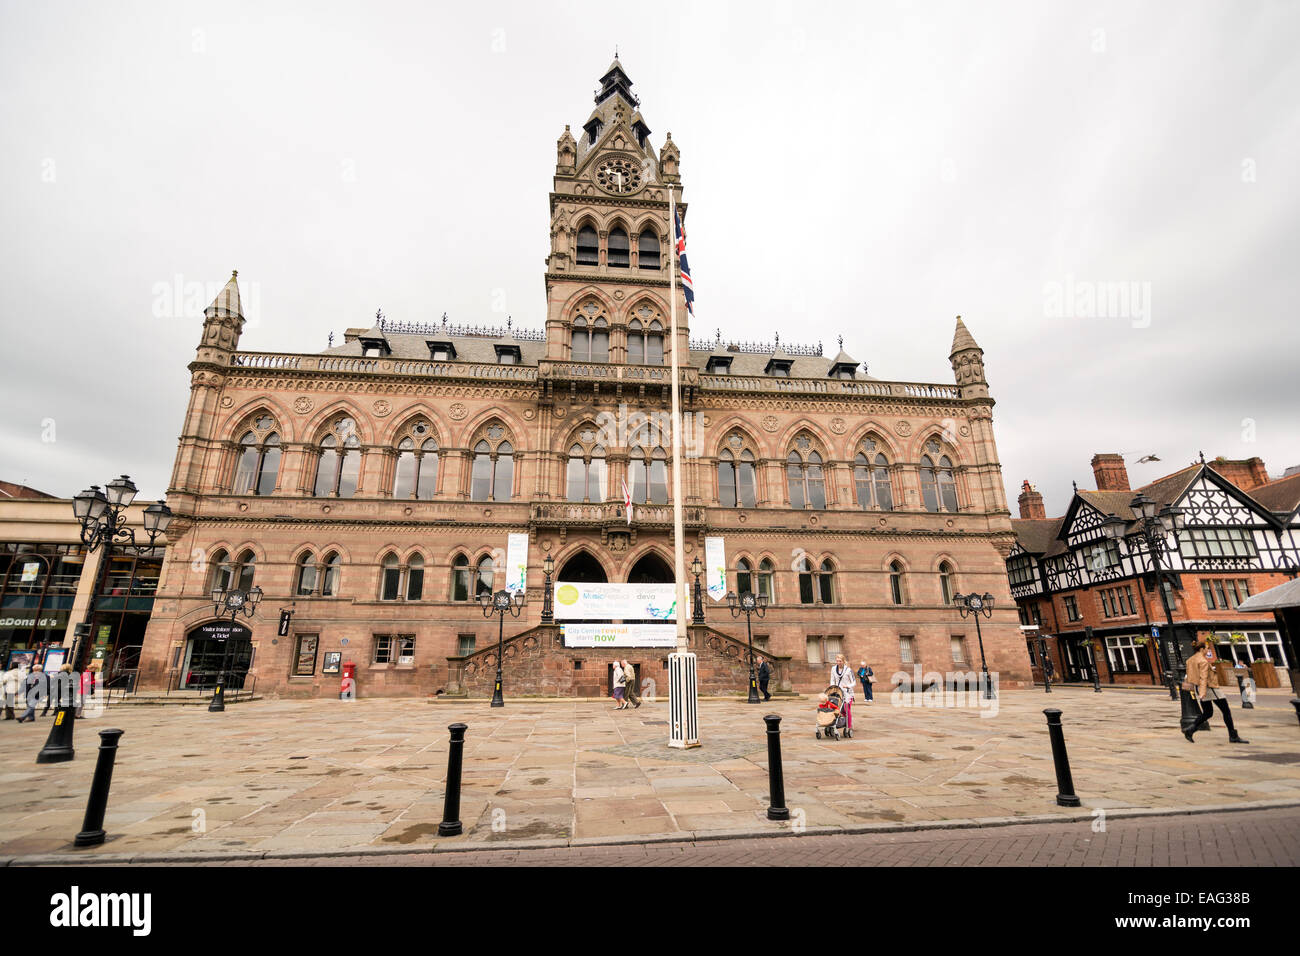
(683,700)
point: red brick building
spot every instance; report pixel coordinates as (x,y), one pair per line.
(1071,582)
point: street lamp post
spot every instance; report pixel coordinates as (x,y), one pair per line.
(548,609)
(748,604)
(1153,531)
(502,602)
(697,607)
(103,522)
(235,601)
(968,604)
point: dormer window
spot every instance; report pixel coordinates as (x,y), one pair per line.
(718,365)
(843,370)
(509,355)
(375,348)
(441,351)
(593,131)
(779,368)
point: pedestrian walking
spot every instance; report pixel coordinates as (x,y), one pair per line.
(620,685)
(63,688)
(764,675)
(10,681)
(35,689)
(629,678)
(867,677)
(1203,683)
(842,677)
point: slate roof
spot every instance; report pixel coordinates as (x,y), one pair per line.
(1282,497)
(1036,535)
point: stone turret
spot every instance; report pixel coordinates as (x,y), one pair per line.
(223,323)
(968,363)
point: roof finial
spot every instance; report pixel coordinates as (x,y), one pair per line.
(1202,454)
(616,51)
(234,273)
(841,338)
(717,335)
(509,321)
(1075,483)
(778,341)
(331,340)
(379,319)
(444,319)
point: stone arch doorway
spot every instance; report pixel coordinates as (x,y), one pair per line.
(650,569)
(582,568)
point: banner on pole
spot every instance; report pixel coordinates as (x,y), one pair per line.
(517,562)
(715,568)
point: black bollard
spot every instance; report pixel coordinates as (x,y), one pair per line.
(58,746)
(1065,796)
(218,705)
(92,828)
(450,825)
(775,777)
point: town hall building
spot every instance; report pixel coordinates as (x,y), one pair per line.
(374,490)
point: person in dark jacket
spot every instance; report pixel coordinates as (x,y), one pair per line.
(37,690)
(764,675)
(866,675)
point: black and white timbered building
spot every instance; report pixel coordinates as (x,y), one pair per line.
(1072,581)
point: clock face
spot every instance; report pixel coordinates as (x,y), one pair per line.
(619,176)
(976,604)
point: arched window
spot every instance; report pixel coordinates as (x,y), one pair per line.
(645,342)
(243,571)
(333,563)
(486,578)
(339,464)
(590,340)
(826,582)
(647,247)
(586,470)
(807,593)
(259,459)
(620,252)
(493,475)
(416,474)
(390,578)
(897,589)
(588,246)
(736,477)
(766,584)
(871,478)
(744,577)
(415,578)
(945,581)
(804,478)
(460,589)
(222,571)
(306,574)
(937,485)
(649,475)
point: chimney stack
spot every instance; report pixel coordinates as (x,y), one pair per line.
(1246,474)
(1110,472)
(1031,502)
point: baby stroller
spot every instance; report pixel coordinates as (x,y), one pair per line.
(830,715)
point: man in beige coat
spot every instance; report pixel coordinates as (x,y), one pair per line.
(1204,678)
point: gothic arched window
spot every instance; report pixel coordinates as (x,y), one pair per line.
(306,574)
(804,478)
(588,246)
(339,464)
(486,577)
(826,582)
(333,564)
(744,577)
(590,339)
(222,572)
(647,247)
(416,474)
(244,569)
(736,479)
(586,469)
(620,252)
(493,475)
(460,589)
(259,460)
(807,593)
(897,585)
(648,470)
(871,478)
(766,578)
(415,578)
(937,484)
(945,581)
(645,343)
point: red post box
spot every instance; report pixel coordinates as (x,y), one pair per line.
(348,686)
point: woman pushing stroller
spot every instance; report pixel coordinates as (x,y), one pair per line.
(842,677)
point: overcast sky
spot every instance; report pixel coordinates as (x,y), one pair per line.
(865,169)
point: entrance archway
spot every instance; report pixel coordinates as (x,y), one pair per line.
(582,568)
(213,647)
(650,569)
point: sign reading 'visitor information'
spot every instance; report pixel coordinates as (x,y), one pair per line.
(615,602)
(620,635)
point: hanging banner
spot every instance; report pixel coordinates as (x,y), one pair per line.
(715,568)
(517,562)
(636,602)
(619,635)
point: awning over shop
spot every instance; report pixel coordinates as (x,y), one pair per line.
(1274,599)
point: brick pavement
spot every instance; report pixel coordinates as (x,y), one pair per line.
(301,778)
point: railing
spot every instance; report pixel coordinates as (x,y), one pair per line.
(608,512)
(353,364)
(603,371)
(828,386)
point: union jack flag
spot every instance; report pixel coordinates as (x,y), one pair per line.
(688,287)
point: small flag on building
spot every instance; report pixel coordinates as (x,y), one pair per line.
(627,501)
(687,286)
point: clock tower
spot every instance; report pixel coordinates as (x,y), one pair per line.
(607,278)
